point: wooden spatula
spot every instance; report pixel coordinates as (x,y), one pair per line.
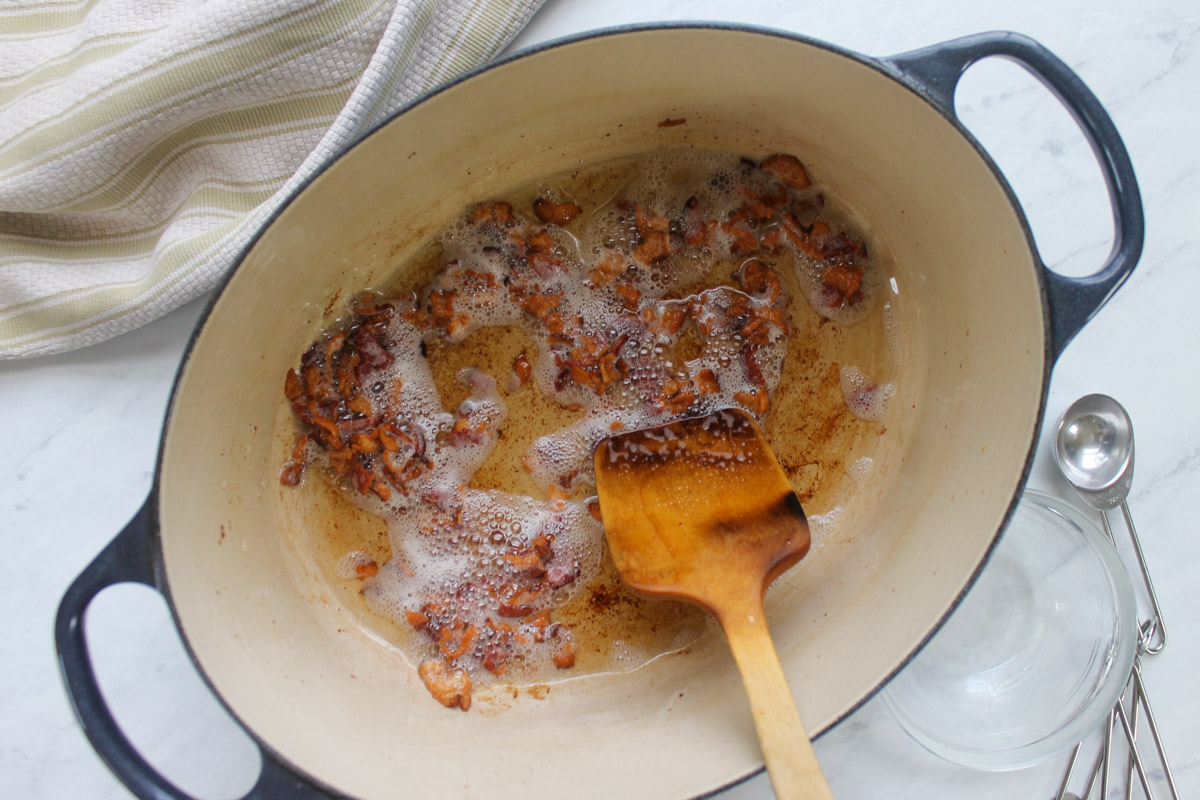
(700,511)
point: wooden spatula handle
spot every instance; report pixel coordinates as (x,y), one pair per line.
(795,773)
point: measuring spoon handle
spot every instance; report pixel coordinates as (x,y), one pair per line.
(1154,630)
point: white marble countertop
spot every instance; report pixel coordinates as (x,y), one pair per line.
(83,427)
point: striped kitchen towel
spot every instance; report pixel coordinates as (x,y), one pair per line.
(143,141)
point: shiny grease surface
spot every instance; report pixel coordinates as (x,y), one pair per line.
(822,434)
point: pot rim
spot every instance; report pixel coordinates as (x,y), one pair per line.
(881,65)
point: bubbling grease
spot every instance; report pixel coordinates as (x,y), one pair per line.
(483,571)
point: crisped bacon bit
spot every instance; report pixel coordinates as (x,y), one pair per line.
(442,305)
(756,402)
(522,370)
(759,208)
(772,240)
(417,317)
(655,247)
(678,395)
(293,387)
(519,604)
(609,267)
(546,266)
(555,213)
(565,657)
(456,641)
(753,277)
(593,509)
(655,232)
(450,687)
(673,318)
(540,304)
(527,563)
(787,170)
(540,242)
(629,294)
(416,618)
(370,304)
(707,383)
(293,470)
(753,371)
(456,328)
(494,213)
(845,282)
(367,570)
(742,242)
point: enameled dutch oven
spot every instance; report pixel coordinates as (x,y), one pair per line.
(335,710)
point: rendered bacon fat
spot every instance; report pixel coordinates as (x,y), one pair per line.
(608,296)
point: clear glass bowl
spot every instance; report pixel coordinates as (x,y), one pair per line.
(1035,655)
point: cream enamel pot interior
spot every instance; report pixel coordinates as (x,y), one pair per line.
(335,710)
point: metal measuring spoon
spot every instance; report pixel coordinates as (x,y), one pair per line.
(1094,450)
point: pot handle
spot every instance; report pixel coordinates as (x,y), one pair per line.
(935,72)
(131,557)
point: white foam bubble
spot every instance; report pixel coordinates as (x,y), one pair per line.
(865,398)
(860,468)
(352,564)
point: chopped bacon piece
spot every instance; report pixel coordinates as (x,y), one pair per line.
(756,402)
(671,123)
(520,604)
(655,232)
(494,213)
(293,470)
(845,281)
(565,657)
(787,170)
(293,387)
(629,294)
(522,371)
(753,277)
(707,383)
(454,642)
(655,247)
(442,304)
(742,242)
(673,318)
(546,266)
(416,618)
(450,687)
(370,304)
(555,213)
(607,268)
(753,371)
(682,401)
(540,242)
(527,563)
(772,240)
(367,570)
(364,443)
(539,304)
